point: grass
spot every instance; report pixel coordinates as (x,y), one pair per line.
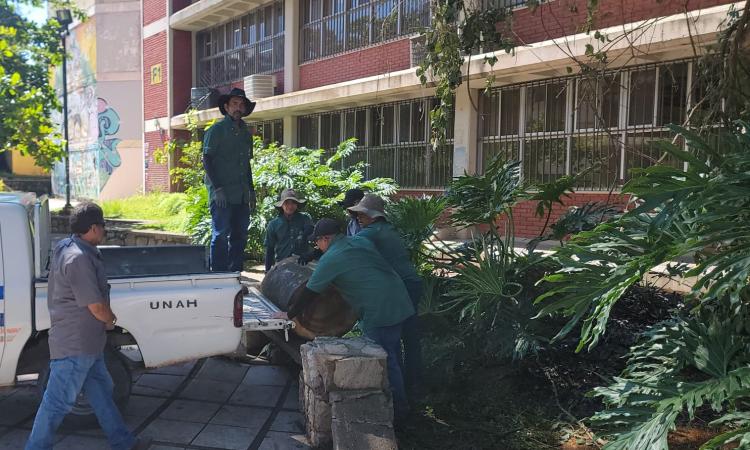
(162,211)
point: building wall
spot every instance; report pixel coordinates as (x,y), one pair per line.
(153,10)
(555,19)
(182,72)
(155,93)
(376,60)
(156,174)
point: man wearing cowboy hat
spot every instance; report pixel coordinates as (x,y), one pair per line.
(369,284)
(286,235)
(370,212)
(227,150)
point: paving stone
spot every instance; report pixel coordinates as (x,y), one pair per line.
(266,375)
(222,436)
(247,395)
(81,442)
(208,390)
(165,447)
(18,408)
(132,422)
(141,406)
(16,439)
(284,441)
(241,416)
(222,370)
(292,399)
(175,369)
(172,431)
(289,422)
(190,411)
(157,385)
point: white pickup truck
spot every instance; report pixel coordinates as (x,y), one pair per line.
(167,303)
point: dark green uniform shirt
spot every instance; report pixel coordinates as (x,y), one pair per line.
(230,146)
(287,237)
(365,280)
(389,243)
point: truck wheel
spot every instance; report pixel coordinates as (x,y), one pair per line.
(82,415)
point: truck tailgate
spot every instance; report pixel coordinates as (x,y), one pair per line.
(257,311)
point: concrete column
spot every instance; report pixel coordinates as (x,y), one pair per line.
(465,132)
(291,47)
(290,131)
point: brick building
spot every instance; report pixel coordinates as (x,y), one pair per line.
(345,68)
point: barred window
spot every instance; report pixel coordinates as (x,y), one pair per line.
(269,130)
(392,140)
(250,44)
(603,126)
(329,27)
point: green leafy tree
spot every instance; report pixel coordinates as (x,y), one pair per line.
(27,51)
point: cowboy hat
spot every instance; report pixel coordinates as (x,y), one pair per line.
(289,194)
(236,92)
(371,205)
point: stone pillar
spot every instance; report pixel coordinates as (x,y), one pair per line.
(465,132)
(291,46)
(345,394)
(290,131)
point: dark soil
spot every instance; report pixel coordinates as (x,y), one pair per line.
(535,403)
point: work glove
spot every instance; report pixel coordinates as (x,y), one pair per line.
(309,256)
(220,198)
(251,203)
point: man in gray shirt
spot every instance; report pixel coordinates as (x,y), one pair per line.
(78,301)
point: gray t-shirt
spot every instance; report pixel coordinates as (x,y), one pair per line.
(76,279)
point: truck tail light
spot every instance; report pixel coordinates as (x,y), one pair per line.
(238,308)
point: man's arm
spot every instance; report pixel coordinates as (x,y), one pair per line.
(103,313)
(270,246)
(211,143)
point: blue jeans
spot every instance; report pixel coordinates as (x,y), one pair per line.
(68,376)
(228,236)
(390,339)
(412,336)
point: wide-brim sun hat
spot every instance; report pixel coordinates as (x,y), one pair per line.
(236,92)
(289,194)
(371,205)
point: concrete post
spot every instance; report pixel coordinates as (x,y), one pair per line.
(465,132)
(290,130)
(291,49)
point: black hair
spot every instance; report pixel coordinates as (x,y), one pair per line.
(84,216)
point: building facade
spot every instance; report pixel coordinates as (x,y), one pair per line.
(335,69)
(105,121)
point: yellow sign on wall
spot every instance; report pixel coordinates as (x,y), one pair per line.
(156,74)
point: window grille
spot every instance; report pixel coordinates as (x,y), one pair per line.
(392,141)
(250,44)
(329,27)
(601,126)
(269,130)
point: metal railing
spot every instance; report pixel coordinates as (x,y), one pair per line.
(232,65)
(358,26)
(598,128)
(393,142)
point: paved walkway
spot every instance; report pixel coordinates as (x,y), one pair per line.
(209,404)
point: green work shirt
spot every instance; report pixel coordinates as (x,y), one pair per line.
(365,280)
(287,236)
(230,146)
(389,243)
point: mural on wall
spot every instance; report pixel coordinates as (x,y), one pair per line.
(92,122)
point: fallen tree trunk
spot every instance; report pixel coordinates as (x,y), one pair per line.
(327,315)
